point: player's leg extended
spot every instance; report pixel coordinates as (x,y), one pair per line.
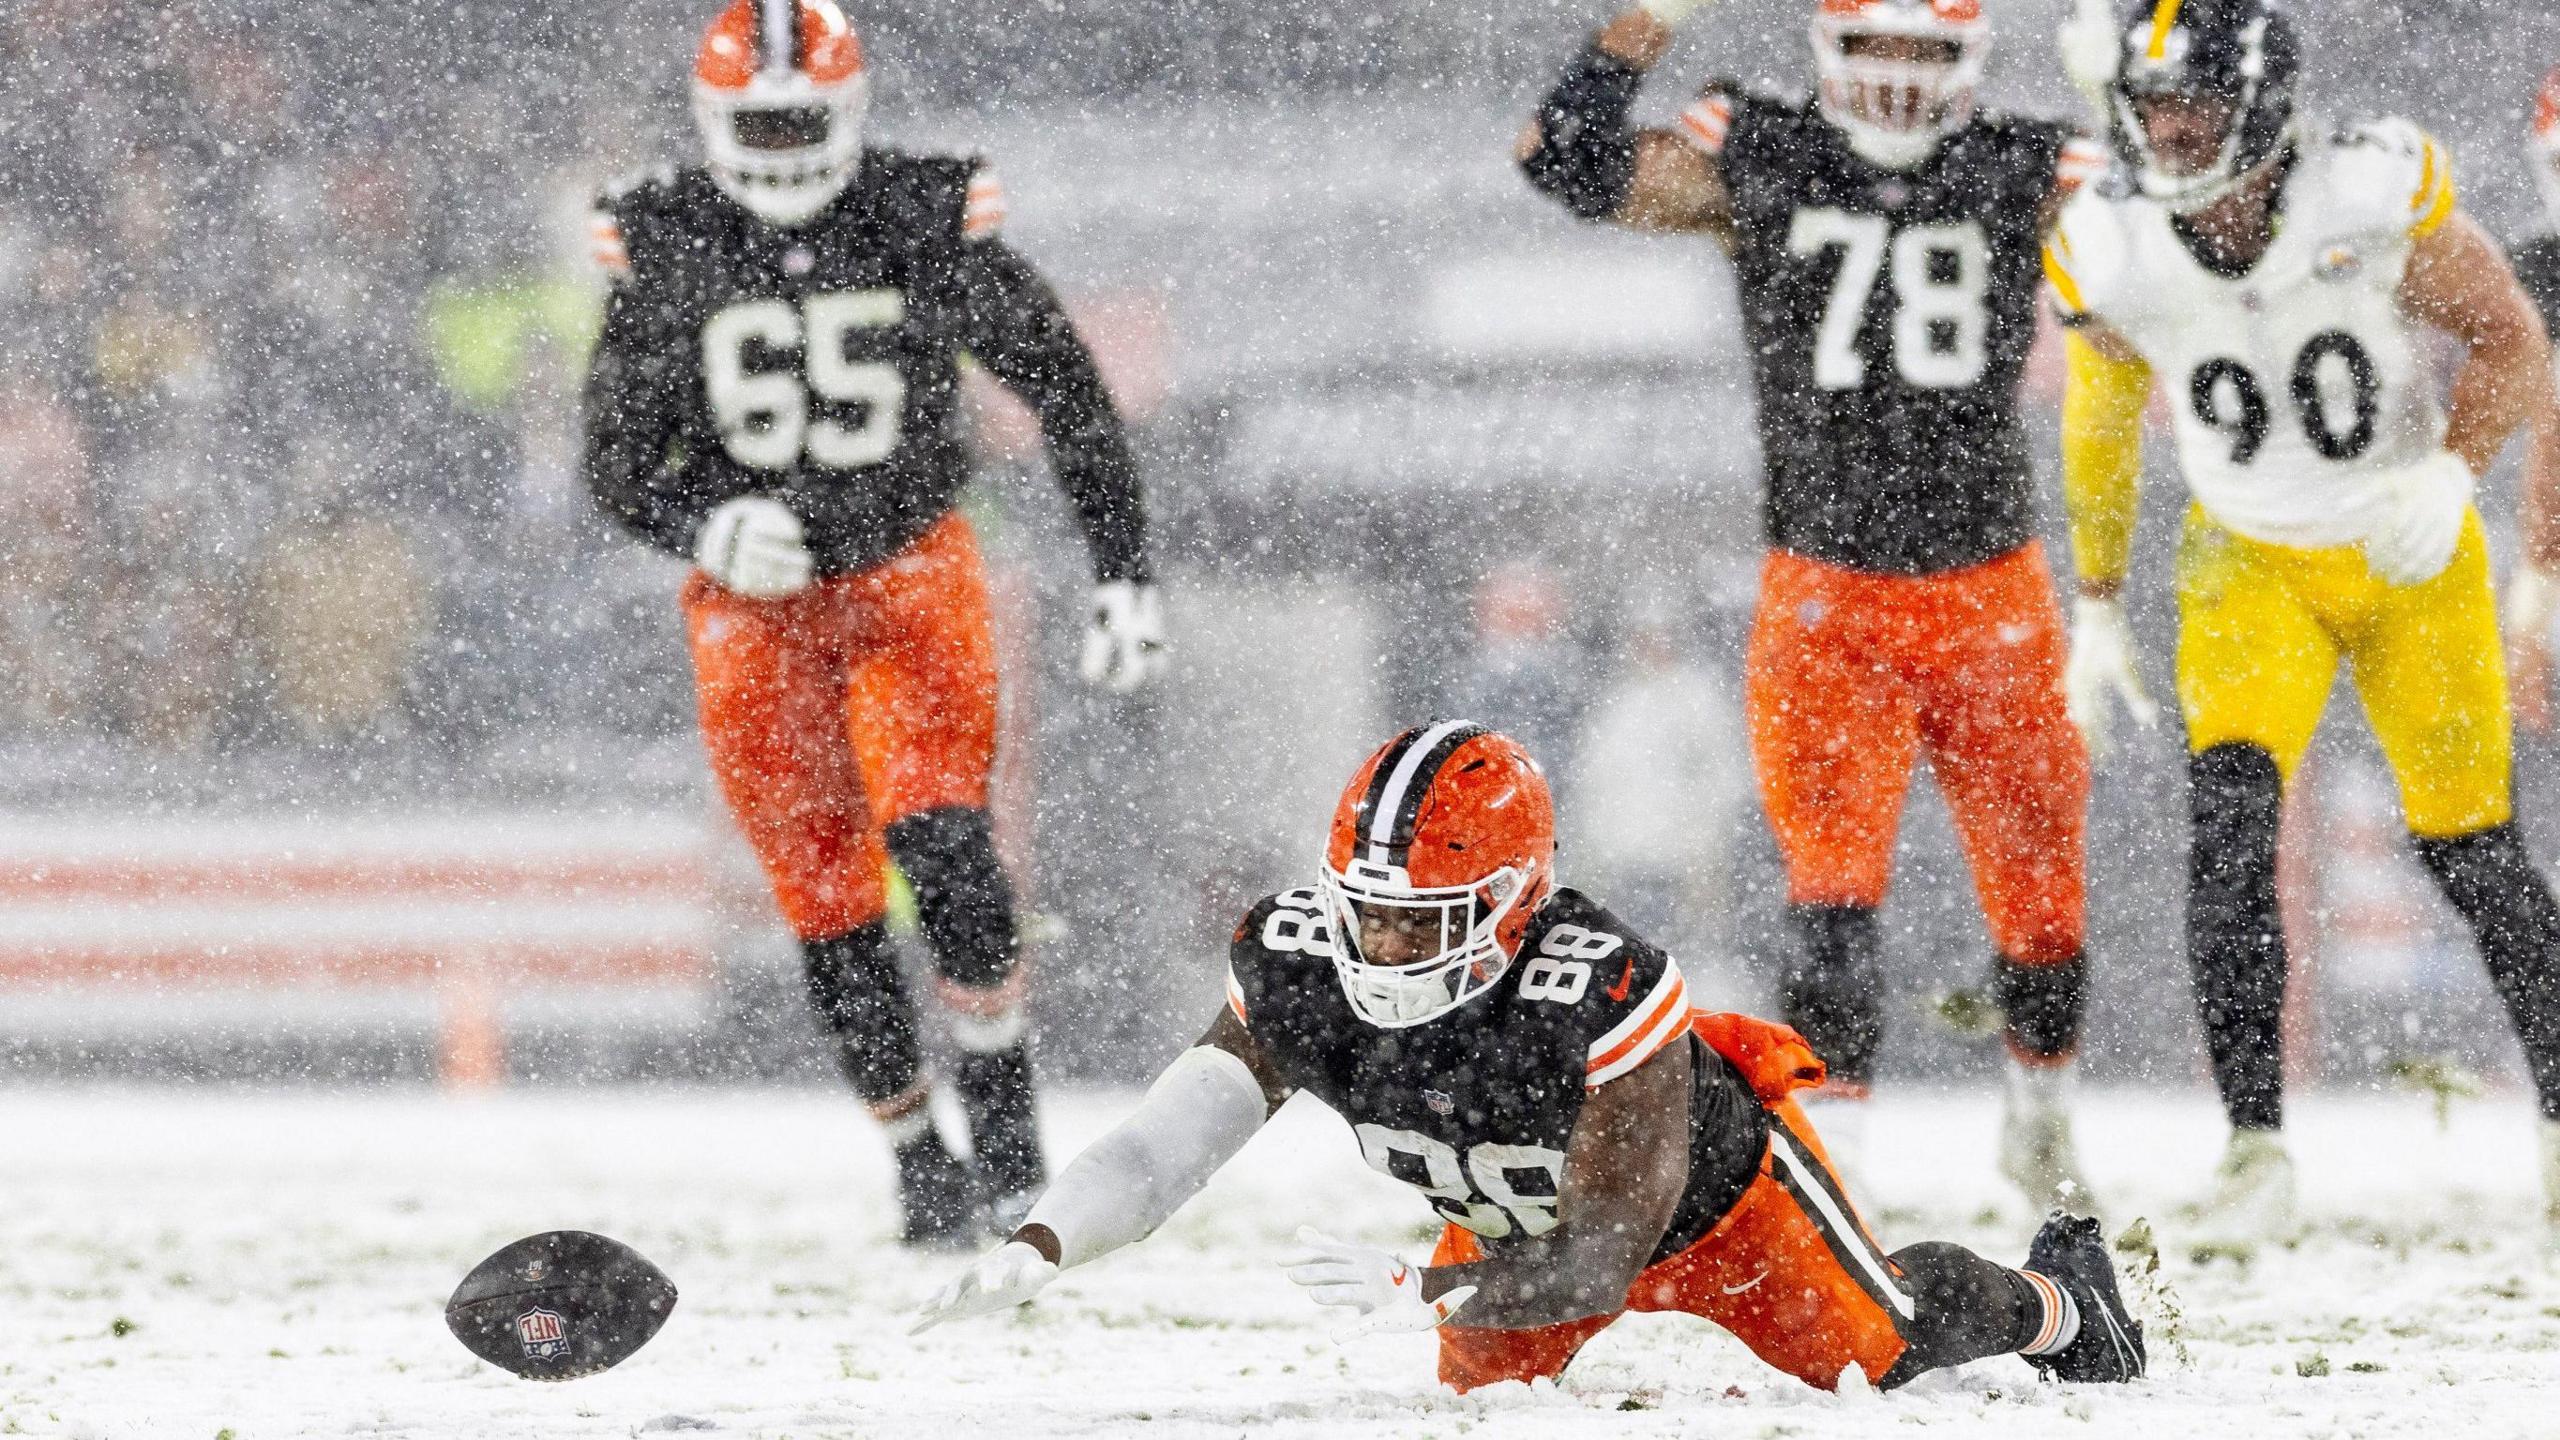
(1833,733)
(2432,677)
(1471,1357)
(923,715)
(770,679)
(2016,778)
(2254,669)
(1795,1275)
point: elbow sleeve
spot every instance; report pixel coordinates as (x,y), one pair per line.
(1197,1115)
(1586,155)
(2102,407)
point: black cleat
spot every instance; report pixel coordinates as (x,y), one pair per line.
(2069,1251)
(939,1193)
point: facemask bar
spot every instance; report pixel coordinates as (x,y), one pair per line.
(787,185)
(1469,957)
(1895,112)
(2186,194)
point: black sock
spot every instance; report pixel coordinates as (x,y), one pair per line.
(2507,903)
(964,903)
(995,1088)
(2043,1005)
(862,1003)
(2235,935)
(1829,990)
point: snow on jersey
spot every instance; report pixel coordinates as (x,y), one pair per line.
(1475,1109)
(2296,384)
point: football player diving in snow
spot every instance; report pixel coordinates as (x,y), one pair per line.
(1534,1069)
(2279,278)
(1885,234)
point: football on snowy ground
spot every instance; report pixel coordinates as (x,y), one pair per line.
(559,1305)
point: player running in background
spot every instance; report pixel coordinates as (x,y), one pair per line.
(2279,278)
(774,398)
(2534,594)
(1532,1067)
(1885,237)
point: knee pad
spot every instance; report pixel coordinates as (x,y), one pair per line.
(963,900)
(2043,1004)
(862,1003)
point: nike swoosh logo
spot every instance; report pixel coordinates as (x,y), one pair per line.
(1619,990)
(1397,1279)
(1751,1284)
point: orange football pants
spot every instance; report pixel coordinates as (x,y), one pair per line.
(835,712)
(1790,1270)
(1851,674)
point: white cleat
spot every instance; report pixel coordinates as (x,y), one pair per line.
(2252,1199)
(2036,1153)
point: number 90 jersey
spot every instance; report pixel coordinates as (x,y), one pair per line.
(1889,314)
(2296,383)
(1476,1109)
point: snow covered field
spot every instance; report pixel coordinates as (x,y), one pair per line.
(269,1265)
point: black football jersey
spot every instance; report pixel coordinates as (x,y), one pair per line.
(1889,314)
(819,364)
(1475,1108)
(2537,265)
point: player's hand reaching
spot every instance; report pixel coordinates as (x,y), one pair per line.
(998,1280)
(2422,523)
(753,545)
(1124,644)
(1381,1291)
(2090,45)
(2101,674)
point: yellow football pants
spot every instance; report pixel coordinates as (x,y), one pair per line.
(2261,630)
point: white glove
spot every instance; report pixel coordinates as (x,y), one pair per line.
(998,1280)
(1383,1292)
(2533,597)
(2101,670)
(2422,522)
(1672,12)
(752,545)
(2092,47)
(1124,644)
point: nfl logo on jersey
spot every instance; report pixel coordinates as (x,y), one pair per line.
(544,1335)
(1440,1101)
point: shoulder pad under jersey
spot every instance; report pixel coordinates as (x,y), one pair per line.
(621,207)
(1277,929)
(1622,998)
(2384,176)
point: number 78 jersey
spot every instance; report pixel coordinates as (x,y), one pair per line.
(2296,383)
(1476,1109)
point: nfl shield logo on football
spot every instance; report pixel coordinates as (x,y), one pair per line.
(1440,1101)
(2340,263)
(543,1333)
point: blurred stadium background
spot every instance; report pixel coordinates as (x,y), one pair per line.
(340,739)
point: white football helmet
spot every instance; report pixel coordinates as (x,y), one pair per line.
(779,91)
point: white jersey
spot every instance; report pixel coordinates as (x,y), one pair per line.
(2296,385)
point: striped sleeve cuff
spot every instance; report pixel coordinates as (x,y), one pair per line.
(2433,202)
(2082,160)
(604,242)
(985,213)
(1707,123)
(1662,1017)
(1235,1000)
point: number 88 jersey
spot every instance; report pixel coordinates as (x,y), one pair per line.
(1476,1109)
(2295,383)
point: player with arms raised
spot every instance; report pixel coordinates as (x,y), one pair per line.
(2279,279)
(1534,1069)
(774,398)
(1885,235)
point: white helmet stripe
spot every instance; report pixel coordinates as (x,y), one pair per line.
(1382,825)
(779,36)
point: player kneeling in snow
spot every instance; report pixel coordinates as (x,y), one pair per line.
(1515,1053)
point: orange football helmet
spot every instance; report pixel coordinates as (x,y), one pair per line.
(779,91)
(2546,144)
(1446,838)
(1894,111)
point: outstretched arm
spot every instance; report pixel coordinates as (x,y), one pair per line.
(1580,149)
(2106,385)
(1199,1113)
(1624,1170)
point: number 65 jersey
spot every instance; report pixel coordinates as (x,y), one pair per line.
(819,364)
(1475,1109)
(2296,383)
